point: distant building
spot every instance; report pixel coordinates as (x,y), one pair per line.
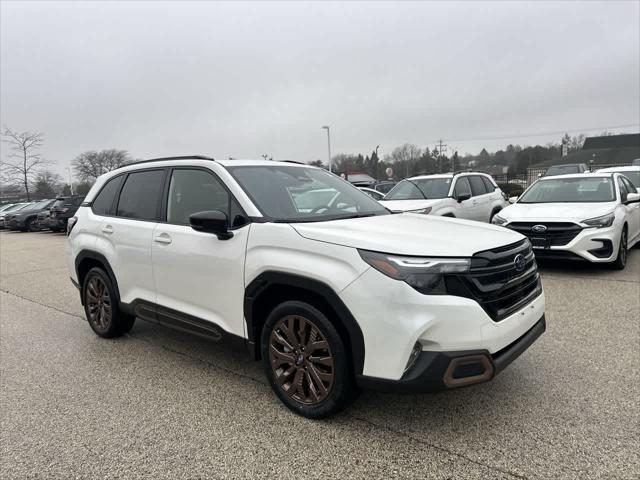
(600,151)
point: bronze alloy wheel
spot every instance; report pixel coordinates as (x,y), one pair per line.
(98,303)
(301,360)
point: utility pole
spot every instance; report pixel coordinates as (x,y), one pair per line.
(441,147)
(326,127)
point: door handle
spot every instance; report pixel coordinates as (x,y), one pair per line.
(162,238)
(108,229)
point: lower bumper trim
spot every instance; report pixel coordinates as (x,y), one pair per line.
(437,371)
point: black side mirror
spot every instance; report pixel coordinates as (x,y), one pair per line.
(212,221)
(462,197)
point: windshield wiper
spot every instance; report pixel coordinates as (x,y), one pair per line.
(358,215)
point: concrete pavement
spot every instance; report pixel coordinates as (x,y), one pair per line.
(162,404)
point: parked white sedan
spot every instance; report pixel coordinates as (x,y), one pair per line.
(468,195)
(593,216)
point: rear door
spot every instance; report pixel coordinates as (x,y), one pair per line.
(199,278)
(481,199)
(127,235)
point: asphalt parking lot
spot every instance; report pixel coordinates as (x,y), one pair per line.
(161,404)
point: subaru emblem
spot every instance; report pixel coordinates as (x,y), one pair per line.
(539,228)
(519,262)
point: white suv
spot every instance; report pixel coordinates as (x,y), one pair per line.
(592,216)
(469,195)
(332,295)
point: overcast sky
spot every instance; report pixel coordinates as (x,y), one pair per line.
(245,79)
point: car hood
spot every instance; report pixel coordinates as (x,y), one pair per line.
(409,205)
(410,234)
(574,212)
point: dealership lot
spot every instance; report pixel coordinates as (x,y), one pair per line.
(164,404)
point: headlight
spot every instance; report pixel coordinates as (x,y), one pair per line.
(425,274)
(600,222)
(498,220)
(424,211)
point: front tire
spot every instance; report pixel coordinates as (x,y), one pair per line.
(30,225)
(306,362)
(101,306)
(621,260)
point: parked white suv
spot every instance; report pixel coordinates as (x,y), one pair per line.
(331,296)
(631,172)
(592,216)
(469,195)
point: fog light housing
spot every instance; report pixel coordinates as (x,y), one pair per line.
(413,357)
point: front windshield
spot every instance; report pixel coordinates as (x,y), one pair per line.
(301,194)
(25,206)
(570,190)
(420,189)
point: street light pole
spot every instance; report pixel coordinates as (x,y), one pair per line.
(70,181)
(326,127)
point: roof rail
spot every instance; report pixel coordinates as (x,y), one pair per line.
(456,172)
(291,161)
(184,157)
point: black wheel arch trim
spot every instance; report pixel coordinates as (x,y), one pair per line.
(276,278)
(93,255)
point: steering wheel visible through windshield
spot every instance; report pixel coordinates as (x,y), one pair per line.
(303,194)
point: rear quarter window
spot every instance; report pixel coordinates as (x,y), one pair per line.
(104,201)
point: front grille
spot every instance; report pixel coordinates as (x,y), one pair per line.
(557,234)
(496,283)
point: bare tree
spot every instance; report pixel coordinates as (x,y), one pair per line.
(405,158)
(90,165)
(47,184)
(24,162)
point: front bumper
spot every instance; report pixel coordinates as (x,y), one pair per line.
(15,224)
(597,245)
(393,317)
(438,371)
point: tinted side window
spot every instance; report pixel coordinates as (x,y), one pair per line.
(488,185)
(630,186)
(140,194)
(623,190)
(103,203)
(192,191)
(462,186)
(477,185)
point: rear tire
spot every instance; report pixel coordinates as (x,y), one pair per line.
(306,362)
(101,305)
(621,260)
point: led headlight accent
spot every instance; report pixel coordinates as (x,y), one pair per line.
(423,211)
(425,274)
(498,220)
(600,222)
